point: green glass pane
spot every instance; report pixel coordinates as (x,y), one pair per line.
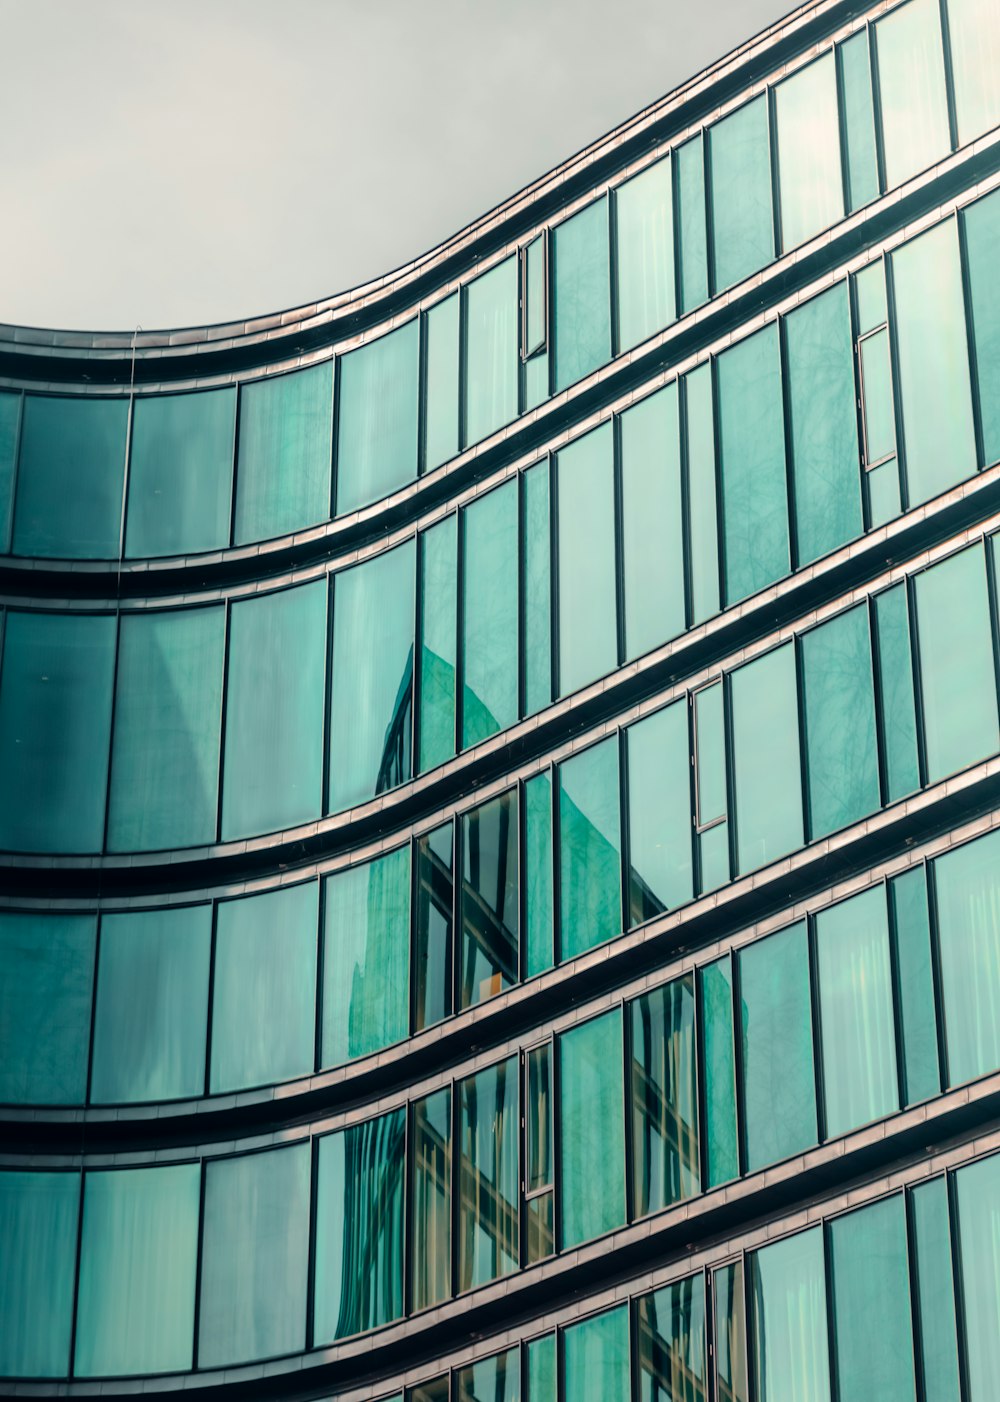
(967,891)
(982,247)
(283,456)
(491,311)
(46,977)
(581,294)
(489,901)
(935,1289)
(873,1337)
(823,424)
(766,774)
(535,310)
(151,1016)
(788,1330)
(589,849)
(730,1333)
(69,478)
(703,523)
(55,730)
(180,478)
(10,421)
(372,687)
(377,417)
(489,614)
(497,1379)
(264,989)
(710,753)
(273,765)
(977,1193)
(779,1090)
(138,1259)
(876,379)
(432,941)
(883,493)
(869,293)
(721,1155)
(911,83)
(538,872)
(810,185)
(38,1218)
(974,34)
(859,120)
(438,642)
(538,1119)
(713,854)
(429,1227)
(659,813)
(255,1252)
(488,1169)
(839,717)
(541,1369)
(168,722)
(441,383)
(898,719)
(595,1358)
(664,1086)
(740,191)
(588,628)
(536,381)
(957,678)
(366,957)
(536,605)
(359,1228)
(434,1390)
(752,461)
(915,984)
(652,523)
(673,1366)
(692,234)
(591,1130)
(644,247)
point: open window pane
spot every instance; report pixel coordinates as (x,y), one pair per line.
(490,894)
(809,178)
(377,417)
(588,624)
(740,173)
(38,1221)
(491,351)
(664,1114)
(644,219)
(915,130)
(589,849)
(488,1167)
(766,773)
(283,461)
(581,294)
(489,614)
(591,1130)
(652,523)
(692,232)
(703,523)
(789,1333)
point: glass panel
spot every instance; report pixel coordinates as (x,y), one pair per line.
(359,1227)
(581,294)
(264,990)
(496,1379)
(38,1217)
(767,782)
(808,129)
(168,722)
(535,314)
(911,81)
(659,813)
(869,294)
(974,32)
(541,1369)
(255,1252)
(591,1140)
(441,383)
(377,417)
(489,1180)
(883,493)
(730,1334)
(790,1346)
(366,957)
(283,458)
(151,1017)
(432,937)
(55,730)
(434,1390)
(273,764)
(871,1300)
(691,233)
(779,1089)
(671,1343)
(644,245)
(740,174)
(876,379)
(536,603)
(703,526)
(859,120)
(491,350)
(595,1358)
(721,1156)
(538,1173)
(664,1097)
(10,420)
(588,627)
(372,689)
(538,873)
(438,642)
(982,248)
(967,890)
(710,753)
(713,851)
(915,983)
(589,849)
(652,524)
(931,1235)
(138,1259)
(490,892)
(180,479)
(752,459)
(897,719)
(430,1230)
(977,1193)
(536,381)
(489,614)
(69,478)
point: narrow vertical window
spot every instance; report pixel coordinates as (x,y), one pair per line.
(441,383)
(587,586)
(430,1202)
(967,892)
(730,1333)
(858,108)
(534,296)
(377,403)
(488,1168)
(810,184)
(664,1097)
(538,893)
(536,587)
(702,506)
(652,525)
(644,227)
(581,294)
(788,1326)
(691,226)
(489,901)
(897,705)
(935,1291)
(432,942)
(767,780)
(591,1130)
(589,849)
(438,641)
(539,1179)
(489,614)
(491,350)
(982,247)
(671,1350)
(911,934)
(660,873)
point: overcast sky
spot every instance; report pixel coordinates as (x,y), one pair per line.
(170,162)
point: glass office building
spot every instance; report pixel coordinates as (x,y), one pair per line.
(500,785)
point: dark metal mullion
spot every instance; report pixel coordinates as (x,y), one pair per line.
(720,499)
(457,823)
(831,1311)
(944,1075)
(414,923)
(800,710)
(416,671)
(989,546)
(910,596)
(522,598)
(613,308)
(700,1113)
(685,499)
(459,630)
(463,374)
(693,829)
(738,1068)
(816,1009)
(555,788)
(777,236)
(554,573)
(456,1192)
(902,1092)
(706,163)
(748,1314)
(320,968)
(114,713)
(556,1131)
(223,715)
(677,237)
(126,473)
(78,1256)
(199,1263)
(522,882)
(949,77)
(876,107)
(845,152)
(881,709)
(732,815)
(234,475)
(210,1002)
(98,927)
(895,388)
(970,338)
(314,1143)
(619,537)
(423,337)
(624,829)
(786,418)
(331,596)
(627,1109)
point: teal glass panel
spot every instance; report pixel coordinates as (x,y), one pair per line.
(589,849)
(876,380)
(255,1253)
(660,872)
(168,724)
(536,604)
(883,493)
(595,1358)
(432,939)
(823,424)
(974,35)
(441,383)
(283,455)
(873,1336)
(70,472)
(652,522)
(740,194)
(935,1289)
(10,423)
(55,730)
(273,764)
(429,1226)
(664,1089)
(897,719)
(915,984)
(151,1015)
(839,718)
(438,642)
(366,957)
(644,247)
(372,687)
(730,1333)
(38,1219)
(703,521)
(692,231)
(489,614)
(752,461)
(713,853)
(710,753)
(180,478)
(359,1228)
(721,1150)
(982,249)
(491,311)
(967,891)
(671,1353)
(377,402)
(536,381)
(588,627)
(138,1259)
(539,1171)
(977,1193)
(810,184)
(538,873)
(911,82)
(434,1390)
(933,356)
(765,737)
(497,1379)
(581,294)
(490,889)
(541,1369)
(779,1090)
(591,1130)
(264,989)
(788,1330)
(46,977)
(957,677)
(869,294)
(856,1012)
(535,305)
(489,1177)
(859,120)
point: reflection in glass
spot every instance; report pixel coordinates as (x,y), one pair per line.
(659,813)
(496,1379)
(982,246)
(591,1130)
(869,294)
(873,1336)
(897,712)
(664,1088)
(441,383)
(765,737)
(489,911)
(488,1170)
(435,896)
(808,130)
(915,982)
(430,1220)
(535,295)
(703,525)
(590,909)
(38,1220)
(377,417)
(914,103)
(581,294)
(876,381)
(538,873)
(283,461)
(536,593)
(721,1149)
(859,120)
(974,43)
(438,642)
(652,525)
(587,587)
(595,1358)
(967,901)
(935,1289)
(491,310)
(790,1345)
(644,244)
(539,1180)
(730,1334)
(740,181)
(671,1343)
(489,614)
